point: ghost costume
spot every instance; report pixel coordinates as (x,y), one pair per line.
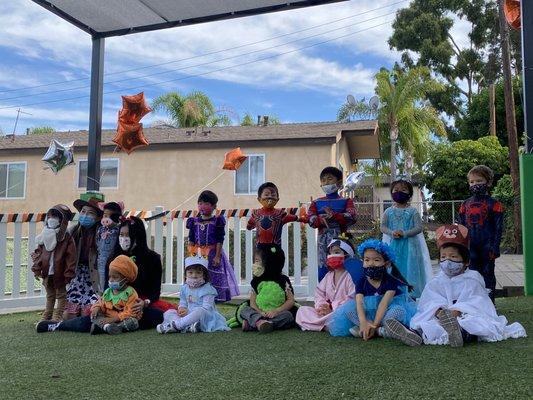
(465,293)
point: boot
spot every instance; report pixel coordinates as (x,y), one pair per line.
(61,296)
(50,299)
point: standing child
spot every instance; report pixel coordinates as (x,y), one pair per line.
(269,221)
(331,215)
(333,291)
(378,299)
(402,230)
(113,313)
(206,235)
(196,311)
(106,239)
(483,216)
(54,260)
(455,307)
(271,303)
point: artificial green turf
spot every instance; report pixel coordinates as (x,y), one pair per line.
(235,365)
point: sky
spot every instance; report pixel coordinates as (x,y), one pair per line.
(325,53)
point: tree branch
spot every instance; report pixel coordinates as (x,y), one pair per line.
(458,50)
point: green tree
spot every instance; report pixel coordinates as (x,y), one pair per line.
(42,130)
(449,163)
(405,116)
(475,123)
(248,120)
(191,110)
(360,110)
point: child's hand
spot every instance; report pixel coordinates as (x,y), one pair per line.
(324,309)
(397,234)
(270,314)
(367,330)
(182,311)
(94,313)
(456,313)
(216,261)
(34,256)
(329,213)
(138,307)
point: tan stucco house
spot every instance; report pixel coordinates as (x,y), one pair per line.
(179,162)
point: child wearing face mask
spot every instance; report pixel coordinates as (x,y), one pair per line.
(454,307)
(196,311)
(206,236)
(113,313)
(335,289)
(106,238)
(332,214)
(401,226)
(379,301)
(483,216)
(269,221)
(54,260)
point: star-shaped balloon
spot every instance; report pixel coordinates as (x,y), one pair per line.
(234,159)
(130,136)
(353,181)
(133,108)
(59,155)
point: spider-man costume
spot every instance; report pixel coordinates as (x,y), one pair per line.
(269,224)
(483,216)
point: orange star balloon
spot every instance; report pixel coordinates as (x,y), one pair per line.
(130,136)
(511,9)
(234,159)
(133,108)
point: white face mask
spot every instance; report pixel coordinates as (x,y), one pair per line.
(124,242)
(451,268)
(52,223)
(329,189)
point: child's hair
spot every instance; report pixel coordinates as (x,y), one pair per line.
(405,182)
(382,248)
(484,171)
(114,207)
(272,257)
(137,234)
(197,267)
(55,213)
(337,173)
(207,196)
(266,185)
(463,251)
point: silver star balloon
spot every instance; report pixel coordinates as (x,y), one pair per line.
(353,181)
(59,155)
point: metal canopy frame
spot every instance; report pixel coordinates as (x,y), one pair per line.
(98,53)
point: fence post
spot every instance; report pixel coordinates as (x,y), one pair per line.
(249,252)
(453,211)
(312,261)
(237,247)
(158,234)
(169,255)
(17,239)
(3,241)
(285,247)
(30,280)
(297,250)
(180,249)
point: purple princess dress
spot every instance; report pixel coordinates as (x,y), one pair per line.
(204,235)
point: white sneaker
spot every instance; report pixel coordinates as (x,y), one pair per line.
(192,328)
(166,327)
(355,331)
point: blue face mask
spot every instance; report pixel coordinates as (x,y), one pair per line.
(375,272)
(116,285)
(86,221)
(451,268)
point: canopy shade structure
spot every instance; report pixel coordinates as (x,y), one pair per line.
(105,18)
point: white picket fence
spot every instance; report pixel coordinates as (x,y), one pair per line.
(19,289)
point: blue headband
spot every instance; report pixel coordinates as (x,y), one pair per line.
(382,248)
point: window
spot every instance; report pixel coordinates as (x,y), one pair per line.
(250,175)
(108,173)
(12,180)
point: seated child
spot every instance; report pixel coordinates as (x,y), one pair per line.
(379,298)
(107,238)
(455,306)
(272,296)
(196,311)
(268,220)
(113,312)
(335,289)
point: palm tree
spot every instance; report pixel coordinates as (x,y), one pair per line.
(191,110)
(405,114)
(360,110)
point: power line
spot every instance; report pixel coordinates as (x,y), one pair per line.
(205,73)
(201,64)
(204,54)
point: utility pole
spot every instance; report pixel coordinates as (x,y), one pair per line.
(510,120)
(19,111)
(492,107)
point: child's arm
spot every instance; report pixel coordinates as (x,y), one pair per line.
(497,215)
(417,226)
(382,308)
(71,260)
(219,237)
(127,312)
(385,224)
(252,221)
(289,303)
(288,218)
(183,304)
(321,302)
(190,226)
(253,303)
(347,217)
(364,327)
(37,261)
(312,216)
(96,308)
(462,214)
(208,301)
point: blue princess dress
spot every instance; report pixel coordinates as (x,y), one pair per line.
(401,308)
(412,254)
(200,303)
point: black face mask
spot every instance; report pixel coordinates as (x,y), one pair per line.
(479,189)
(400,197)
(375,272)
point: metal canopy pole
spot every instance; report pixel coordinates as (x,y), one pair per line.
(95,114)
(526,160)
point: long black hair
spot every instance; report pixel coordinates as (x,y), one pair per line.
(137,234)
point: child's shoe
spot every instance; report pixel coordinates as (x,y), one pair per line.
(129,325)
(246,327)
(451,326)
(396,330)
(166,327)
(354,331)
(112,329)
(96,330)
(47,326)
(264,326)
(192,328)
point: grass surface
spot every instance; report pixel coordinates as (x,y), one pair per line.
(235,365)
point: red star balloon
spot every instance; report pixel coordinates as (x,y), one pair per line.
(130,136)
(234,159)
(511,9)
(133,108)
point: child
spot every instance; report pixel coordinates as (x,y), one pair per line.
(196,311)
(54,260)
(106,238)
(272,295)
(113,313)
(483,216)
(268,220)
(455,307)
(206,235)
(333,291)
(402,230)
(378,299)
(331,215)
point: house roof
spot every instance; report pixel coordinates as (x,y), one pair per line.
(169,135)
(103,18)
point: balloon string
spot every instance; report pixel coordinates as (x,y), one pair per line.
(103,172)
(198,191)
(8,189)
